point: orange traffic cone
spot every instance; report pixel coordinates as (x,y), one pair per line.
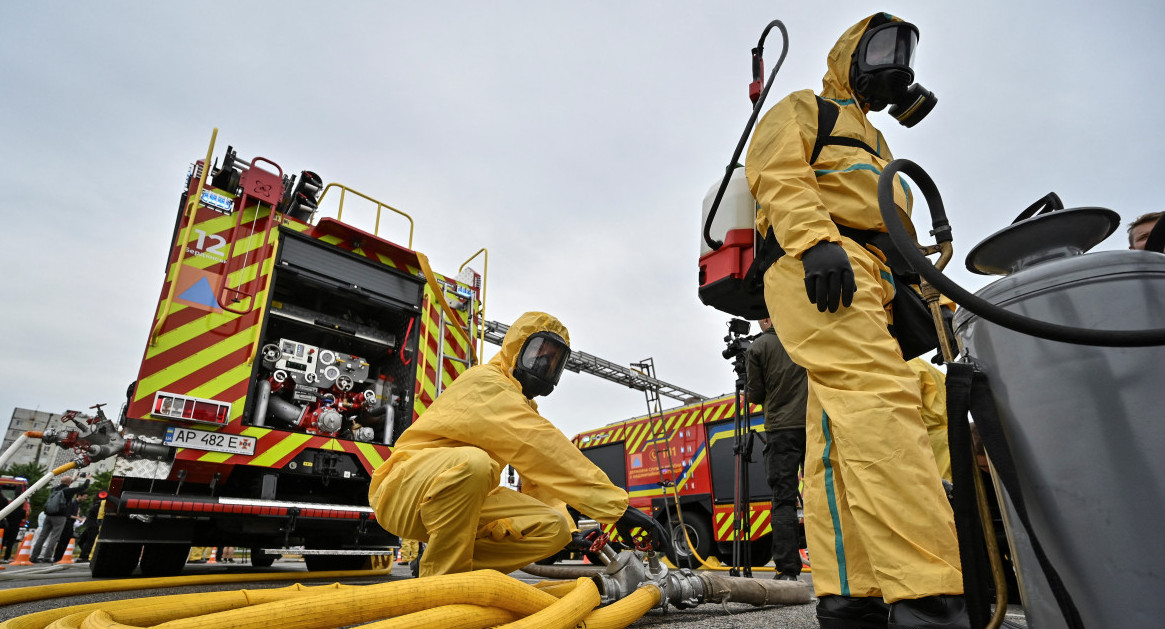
(24,555)
(211,559)
(68,556)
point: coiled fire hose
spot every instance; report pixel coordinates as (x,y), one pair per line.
(483,598)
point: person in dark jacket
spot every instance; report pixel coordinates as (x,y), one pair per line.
(72,513)
(55,522)
(779,386)
(89,531)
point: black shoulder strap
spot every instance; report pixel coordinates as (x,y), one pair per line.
(826,119)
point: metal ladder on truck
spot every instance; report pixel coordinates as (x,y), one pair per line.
(582,362)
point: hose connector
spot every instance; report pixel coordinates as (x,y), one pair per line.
(623,575)
(681,589)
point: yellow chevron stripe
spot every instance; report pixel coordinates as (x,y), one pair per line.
(214,226)
(237,408)
(641,438)
(190,364)
(196,328)
(215,457)
(428,386)
(332,240)
(758,521)
(725,527)
(636,444)
(693,419)
(288,445)
(222,382)
(422,361)
(371,453)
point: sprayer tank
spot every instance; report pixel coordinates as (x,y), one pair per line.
(1087,432)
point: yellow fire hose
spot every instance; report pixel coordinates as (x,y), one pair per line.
(484,598)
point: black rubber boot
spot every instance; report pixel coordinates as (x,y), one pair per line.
(851,612)
(945,612)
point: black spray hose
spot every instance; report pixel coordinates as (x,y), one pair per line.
(732,164)
(977,305)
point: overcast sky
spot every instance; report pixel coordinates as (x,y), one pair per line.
(575,141)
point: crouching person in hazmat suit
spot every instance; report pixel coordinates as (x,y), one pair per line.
(441,484)
(880,531)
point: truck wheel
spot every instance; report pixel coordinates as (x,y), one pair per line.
(164,560)
(760,551)
(260,559)
(699,531)
(114,560)
(321,563)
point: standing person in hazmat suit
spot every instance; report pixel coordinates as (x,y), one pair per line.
(441,484)
(880,531)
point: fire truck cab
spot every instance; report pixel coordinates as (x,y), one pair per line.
(11,487)
(286,355)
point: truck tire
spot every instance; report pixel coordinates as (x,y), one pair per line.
(114,560)
(164,560)
(322,563)
(260,559)
(699,531)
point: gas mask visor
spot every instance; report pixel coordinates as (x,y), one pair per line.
(540,363)
(890,45)
(884,73)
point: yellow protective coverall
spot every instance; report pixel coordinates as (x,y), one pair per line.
(441,484)
(877,520)
(933,385)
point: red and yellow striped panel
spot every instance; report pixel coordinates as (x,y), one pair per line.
(723,517)
(437,351)
(202,350)
(641,431)
(348,238)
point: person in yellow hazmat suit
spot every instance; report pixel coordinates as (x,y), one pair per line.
(879,528)
(441,483)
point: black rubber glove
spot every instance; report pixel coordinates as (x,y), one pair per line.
(656,534)
(578,541)
(829,278)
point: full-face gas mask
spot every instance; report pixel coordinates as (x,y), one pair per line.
(540,363)
(881,72)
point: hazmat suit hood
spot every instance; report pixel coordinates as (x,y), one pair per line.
(527,324)
(884,76)
(835,84)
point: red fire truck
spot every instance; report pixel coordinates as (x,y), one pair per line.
(285,356)
(689,448)
(13,486)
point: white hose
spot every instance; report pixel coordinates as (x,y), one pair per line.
(32,489)
(35,487)
(12,450)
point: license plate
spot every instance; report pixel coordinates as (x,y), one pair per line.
(212,441)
